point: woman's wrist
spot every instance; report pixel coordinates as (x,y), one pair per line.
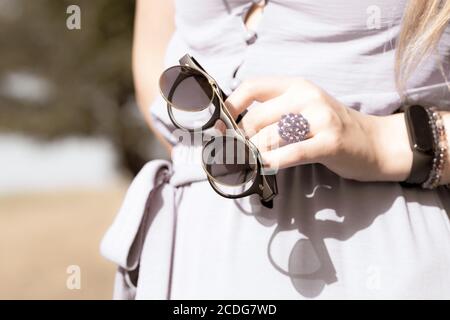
(392,147)
(394,153)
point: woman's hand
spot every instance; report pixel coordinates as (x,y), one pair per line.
(352,144)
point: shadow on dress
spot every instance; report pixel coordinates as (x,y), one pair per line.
(350,209)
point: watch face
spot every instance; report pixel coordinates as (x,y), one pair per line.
(420,129)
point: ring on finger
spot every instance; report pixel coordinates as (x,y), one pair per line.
(293,127)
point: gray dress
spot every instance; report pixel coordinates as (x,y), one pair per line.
(326,237)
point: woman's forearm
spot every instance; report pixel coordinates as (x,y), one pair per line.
(153,28)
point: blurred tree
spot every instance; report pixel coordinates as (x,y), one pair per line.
(56,82)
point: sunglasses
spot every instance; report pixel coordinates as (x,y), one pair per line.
(232,163)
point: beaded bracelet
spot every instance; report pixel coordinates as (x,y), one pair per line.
(440,149)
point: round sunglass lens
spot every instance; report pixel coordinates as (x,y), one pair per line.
(186,88)
(229,161)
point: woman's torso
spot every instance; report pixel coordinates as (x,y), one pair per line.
(366,239)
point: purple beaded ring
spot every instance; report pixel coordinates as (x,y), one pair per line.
(293,127)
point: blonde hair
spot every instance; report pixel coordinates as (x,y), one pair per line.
(424,22)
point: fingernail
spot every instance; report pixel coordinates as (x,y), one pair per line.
(220,126)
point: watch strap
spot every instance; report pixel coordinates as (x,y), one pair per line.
(420,168)
(421,143)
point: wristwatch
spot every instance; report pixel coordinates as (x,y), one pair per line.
(421,141)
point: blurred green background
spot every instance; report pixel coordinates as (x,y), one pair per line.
(71,138)
(71,82)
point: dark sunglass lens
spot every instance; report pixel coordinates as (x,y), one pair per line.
(229,161)
(186,88)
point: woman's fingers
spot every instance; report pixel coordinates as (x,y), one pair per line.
(268,138)
(267,113)
(270,113)
(258,89)
(281,97)
(294,154)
